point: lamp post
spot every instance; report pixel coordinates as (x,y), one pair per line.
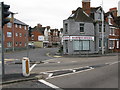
(12,16)
(102,16)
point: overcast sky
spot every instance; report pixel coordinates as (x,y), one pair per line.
(50,12)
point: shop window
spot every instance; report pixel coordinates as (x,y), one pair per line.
(81,45)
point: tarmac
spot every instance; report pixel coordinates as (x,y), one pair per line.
(18,77)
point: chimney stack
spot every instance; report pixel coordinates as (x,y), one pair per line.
(113,11)
(86,6)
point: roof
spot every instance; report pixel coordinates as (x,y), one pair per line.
(16,21)
(80,16)
(94,9)
(40,29)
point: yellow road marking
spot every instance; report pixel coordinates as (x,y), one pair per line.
(57,56)
(9,59)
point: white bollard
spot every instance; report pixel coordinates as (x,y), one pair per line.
(25,66)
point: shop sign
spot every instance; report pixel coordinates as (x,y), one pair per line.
(78,38)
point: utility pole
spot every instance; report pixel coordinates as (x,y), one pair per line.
(13,31)
(0,41)
(102,16)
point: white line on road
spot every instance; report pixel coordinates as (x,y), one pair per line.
(32,66)
(49,84)
(70,73)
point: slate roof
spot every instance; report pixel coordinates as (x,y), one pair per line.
(16,21)
(80,16)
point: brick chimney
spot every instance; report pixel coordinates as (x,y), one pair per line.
(86,6)
(39,25)
(114,11)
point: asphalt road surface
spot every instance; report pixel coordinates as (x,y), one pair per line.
(75,72)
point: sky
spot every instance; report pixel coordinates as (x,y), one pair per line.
(50,12)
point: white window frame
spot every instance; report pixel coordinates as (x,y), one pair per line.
(9,25)
(20,26)
(20,34)
(25,27)
(9,44)
(16,25)
(9,34)
(113,44)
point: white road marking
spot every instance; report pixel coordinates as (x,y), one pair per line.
(49,84)
(32,66)
(70,73)
(111,63)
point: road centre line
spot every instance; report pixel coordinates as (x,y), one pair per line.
(49,84)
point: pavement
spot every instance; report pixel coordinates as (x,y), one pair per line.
(18,77)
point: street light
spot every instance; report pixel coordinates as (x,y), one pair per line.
(102,29)
(12,16)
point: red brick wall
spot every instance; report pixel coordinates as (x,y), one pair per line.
(36,34)
(22,39)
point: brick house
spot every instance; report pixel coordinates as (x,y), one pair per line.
(44,36)
(15,35)
(36,33)
(114,35)
(54,36)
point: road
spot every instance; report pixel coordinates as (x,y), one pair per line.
(37,55)
(75,72)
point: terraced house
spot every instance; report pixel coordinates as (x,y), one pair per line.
(15,34)
(82,31)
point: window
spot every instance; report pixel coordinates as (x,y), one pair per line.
(9,25)
(16,34)
(117,44)
(112,31)
(16,43)
(99,16)
(100,28)
(66,28)
(20,26)
(25,27)
(81,27)
(86,45)
(20,34)
(9,34)
(66,46)
(81,45)
(9,44)
(100,42)
(20,43)
(16,25)
(32,37)
(111,44)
